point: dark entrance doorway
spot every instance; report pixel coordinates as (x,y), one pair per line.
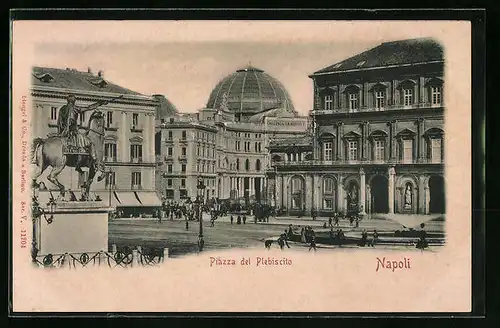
(246,188)
(257,189)
(437,198)
(379,194)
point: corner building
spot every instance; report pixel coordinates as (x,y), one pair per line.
(226,142)
(129,135)
(377,145)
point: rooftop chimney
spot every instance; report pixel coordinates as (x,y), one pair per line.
(89,70)
(100,74)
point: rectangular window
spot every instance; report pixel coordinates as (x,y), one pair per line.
(328,102)
(436,145)
(353,102)
(110,152)
(109,119)
(169,193)
(328,203)
(352,150)
(183,182)
(183,151)
(110,180)
(170,151)
(327,151)
(169,182)
(170,136)
(136,179)
(436,95)
(198,151)
(183,193)
(379,150)
(136,153)
(135,119)
(183,168)
(379,99)
(53,113)
(169,168)
(408,97)
(408,151)
(184,135)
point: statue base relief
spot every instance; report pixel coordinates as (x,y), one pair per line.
(76,227)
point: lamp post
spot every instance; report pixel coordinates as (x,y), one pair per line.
(200,186)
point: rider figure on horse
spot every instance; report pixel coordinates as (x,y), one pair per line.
(68,128)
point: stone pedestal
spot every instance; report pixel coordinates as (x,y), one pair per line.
(76,227)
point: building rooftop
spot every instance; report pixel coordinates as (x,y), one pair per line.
(400,52)
(304,140)
(73,79)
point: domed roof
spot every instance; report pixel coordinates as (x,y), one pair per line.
(249,91)
(165,109)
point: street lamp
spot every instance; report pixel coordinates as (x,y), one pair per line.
(200,186)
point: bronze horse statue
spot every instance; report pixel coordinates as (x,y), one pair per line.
(49,152)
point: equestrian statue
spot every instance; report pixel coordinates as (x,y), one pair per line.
(73,148)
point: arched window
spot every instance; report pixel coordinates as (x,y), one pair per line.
(407,91)
(435,92)
(257,165)
(379,96)
(352,93)
(247,164)
(297,186)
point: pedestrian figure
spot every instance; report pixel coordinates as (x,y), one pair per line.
(238,221)
(336,220)
(290,232)
(375,238)
(303,235)
(281,243)
(332,234)
(313,243)
(364,238)
(351,219)
(330,222)
(340,237)
(212,221)
(187,225)
(244,219)
(231,219)
(284,238)
(357,222)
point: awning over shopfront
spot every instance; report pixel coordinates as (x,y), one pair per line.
(104,195)
(149,198)
(128,199)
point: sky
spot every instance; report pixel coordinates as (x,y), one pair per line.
(184,60)
(186,73)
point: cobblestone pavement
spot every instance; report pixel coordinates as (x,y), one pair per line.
(224,235)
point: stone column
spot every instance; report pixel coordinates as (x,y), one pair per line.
(309,192)
(362,191)
(365,95)
(252,186)
(390,191)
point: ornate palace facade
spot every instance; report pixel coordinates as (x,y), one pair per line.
(377,141)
